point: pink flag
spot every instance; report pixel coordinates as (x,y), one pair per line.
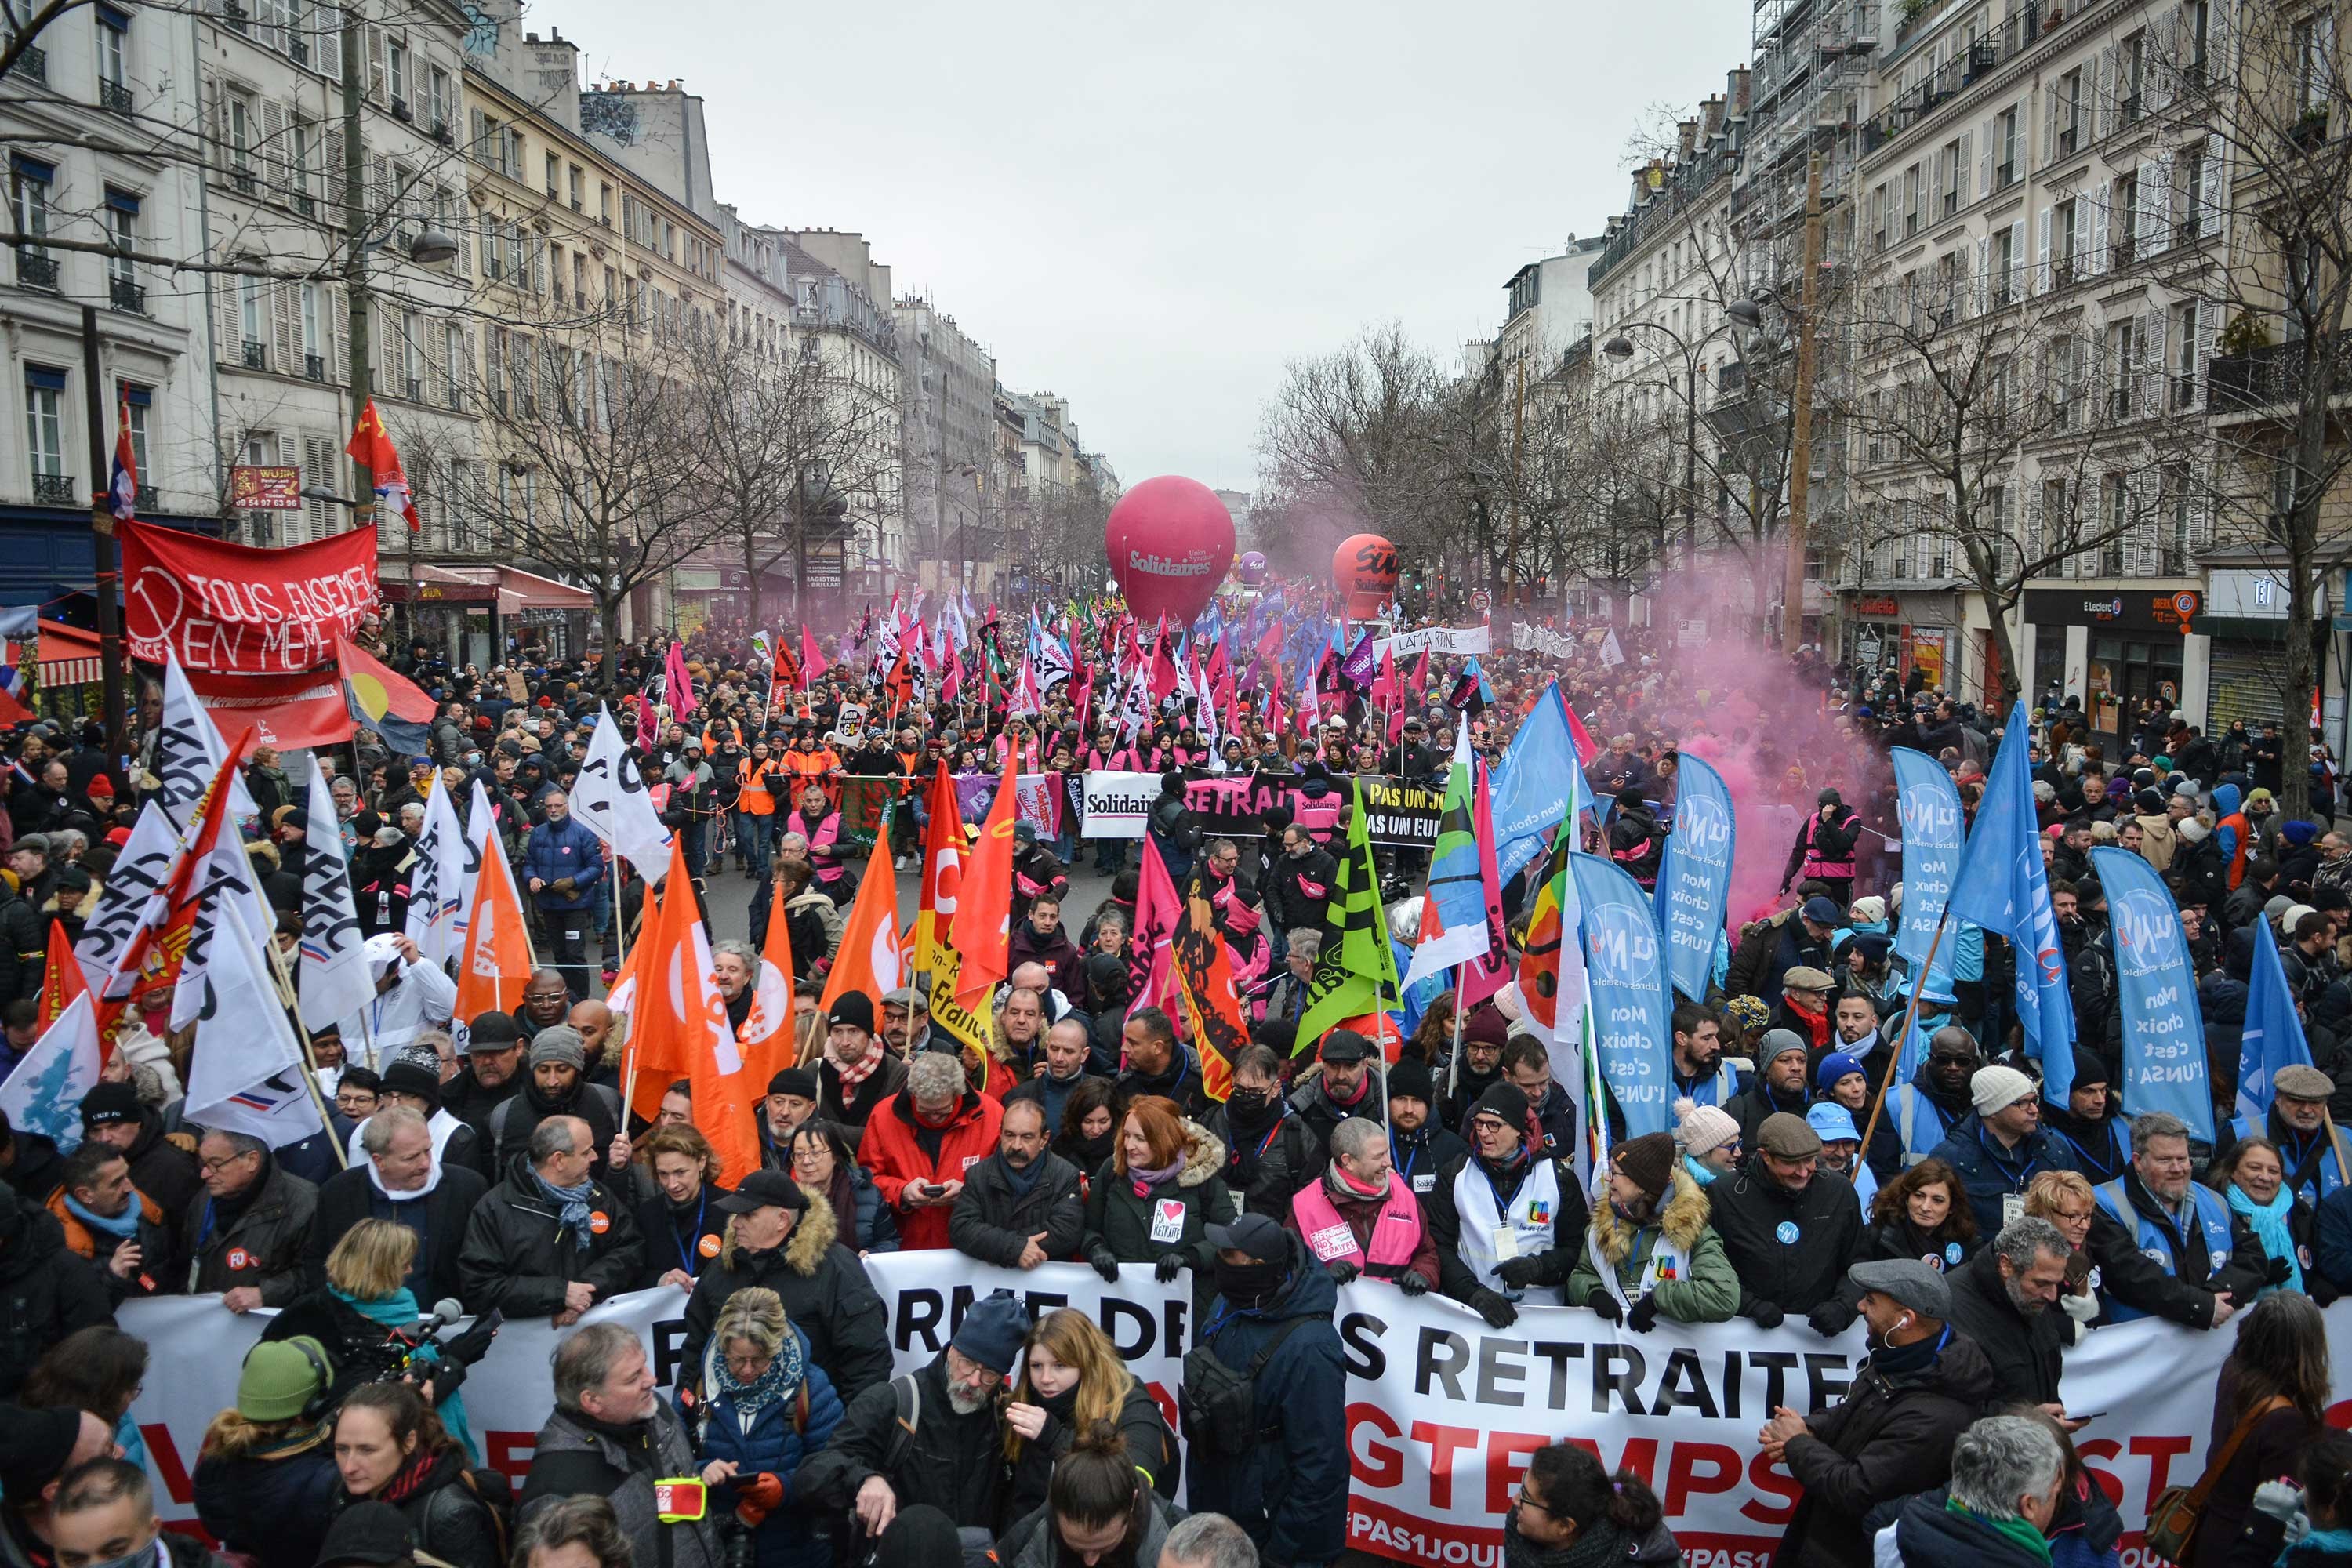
(813,659)
(1148,965)
(1163,665)
(952,684)
(1585,749)
(678,687)
(1385,691)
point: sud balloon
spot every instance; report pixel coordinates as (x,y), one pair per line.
(1171,541)
(1364,570)
(1252,569)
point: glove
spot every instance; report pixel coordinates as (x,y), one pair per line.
(465,1348)
(1412,1284)
(1518,1273)
(1342,1271)
(1171,1264)
(765,1491)
(1103,1263)
(2082,1308)
(1495,1308)
(1605,1308)
(1765,1314)
(1829,1319)
(1644,1315)
(564,885)
(2280,1271)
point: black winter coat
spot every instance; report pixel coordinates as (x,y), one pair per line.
(1119,1219)
(262,1246)
(1748,1209)
(518,1256)
(1890,1436)
(2022,1352)
(825,1292)
(161,1169)
(440,1219)
(274,1505)
(992,1222)
(449,1519)
(47,1291)
(1266,1180)
(956,1463)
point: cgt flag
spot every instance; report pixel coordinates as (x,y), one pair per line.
(1355,972)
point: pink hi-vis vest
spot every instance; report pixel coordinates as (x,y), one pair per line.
(1395,1235)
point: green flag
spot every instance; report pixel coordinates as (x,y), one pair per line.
(1355,972)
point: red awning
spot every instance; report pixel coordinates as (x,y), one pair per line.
(70,656)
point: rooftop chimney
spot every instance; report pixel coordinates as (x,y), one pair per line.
(1686,138)
(1711,114)
(1736,92)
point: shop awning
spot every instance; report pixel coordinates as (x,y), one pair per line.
(70,656)
(515,589)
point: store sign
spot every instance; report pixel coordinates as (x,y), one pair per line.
(1886,606)
(2167,612)
(265,487)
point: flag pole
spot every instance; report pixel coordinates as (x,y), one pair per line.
(309,1054)
(1901,1041)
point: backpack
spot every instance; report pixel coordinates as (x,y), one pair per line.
(1218,1407)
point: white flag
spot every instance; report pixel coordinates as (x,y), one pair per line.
(131,900)
(226,877)
(189,751)
(334,974)
(44,1094)
(480,822)
(246,1073)
(610,798)
(437,882)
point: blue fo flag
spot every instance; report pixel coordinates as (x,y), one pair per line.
(2163,1033)
(1694,876)
(2273,1033)
(2001,886)
(1625,979)
(1533,783)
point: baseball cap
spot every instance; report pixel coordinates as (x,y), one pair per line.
(764,1190)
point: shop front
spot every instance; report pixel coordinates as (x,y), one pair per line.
(1911,631)
(2246,618)
(2127,649)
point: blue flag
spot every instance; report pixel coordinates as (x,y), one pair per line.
(2163,1033)
(2001,886)
(1934,831)
(1533,783)
(2274,1032)
(1694,876)
(1626,978)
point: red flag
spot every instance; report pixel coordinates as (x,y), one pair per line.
(371,444)
(943,851)
(1585,748)
(1386,693)
(1163,665)
(813,659)
(61,976)
(678,685)
(1420,677)
(951,683)
(1149,957)
(982,927)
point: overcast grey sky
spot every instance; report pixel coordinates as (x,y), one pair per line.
(1150,209)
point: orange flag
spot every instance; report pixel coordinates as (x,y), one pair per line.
(681,1017)
(868,959)
(644,1078)
(61,976)
(943,848)
(767,1037)
(983,929)
(498,959)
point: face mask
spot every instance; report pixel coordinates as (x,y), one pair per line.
(145,1557)
(1250,1285)
(1248,1103)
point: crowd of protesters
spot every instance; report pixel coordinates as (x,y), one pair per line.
(1974,1229)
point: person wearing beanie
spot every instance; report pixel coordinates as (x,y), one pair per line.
(1419,1146)
(265,1479)
(1636,844)
(1824,851)
(1779,1084)
(1789,1228)
(1710,1141)
(412,1078)
(857,1072)
(1484,1033)
(2087,1124)
(1502,1186)
(556,1084)
(1843,1079)
(2001,1146)
(791,1101)
(954,1463)
(1664,1259)
(2157,840)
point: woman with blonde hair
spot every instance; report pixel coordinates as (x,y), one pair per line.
(681,1223)
(354,1315)
(766,1406)
(2065,1198)
(1072,1380)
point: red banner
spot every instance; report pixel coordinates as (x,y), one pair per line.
(235,608)
(289,711)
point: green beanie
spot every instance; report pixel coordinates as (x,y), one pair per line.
(279,1378)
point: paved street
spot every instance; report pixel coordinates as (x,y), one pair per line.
(730,894)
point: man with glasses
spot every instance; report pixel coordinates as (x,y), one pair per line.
(1505,1207)
(247,1231)
(1789,1227)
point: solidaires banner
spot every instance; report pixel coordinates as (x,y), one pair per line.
(1441,1414)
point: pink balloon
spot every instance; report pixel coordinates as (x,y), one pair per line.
(1171,541)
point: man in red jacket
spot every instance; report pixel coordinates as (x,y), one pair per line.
(920,1140)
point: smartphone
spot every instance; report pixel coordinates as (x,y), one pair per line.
(497,1317)
(935,1188)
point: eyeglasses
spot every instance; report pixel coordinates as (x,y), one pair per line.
(1524,1501)
(211,1167)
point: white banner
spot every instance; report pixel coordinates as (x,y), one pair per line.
(1541,639)
(1436,639)
(1118,805)
(1443,1413)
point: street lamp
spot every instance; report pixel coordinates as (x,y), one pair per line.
(1622,348)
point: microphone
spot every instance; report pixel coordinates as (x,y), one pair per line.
(447,1311)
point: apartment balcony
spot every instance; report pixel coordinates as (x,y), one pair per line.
(314,366)
(36,270)
(148,499)
(2270,379)
(55,489)
(298,51)
(31,63)
(124,294)
(116,99)
(256,354)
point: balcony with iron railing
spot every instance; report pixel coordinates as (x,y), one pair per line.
(32,64)
(314,366)
(2019,33)
(147,498)
(2271,377)
(128,295)
(256,354)
(36,269)
(55,489)
(116,99)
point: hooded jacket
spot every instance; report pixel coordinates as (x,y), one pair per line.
(1267,1164)
(1890,1436)
(45,1292)
(892,1151)
(825,1292)
(1705,1291)
(1290,1490)
(1798,1268)
(518,1257)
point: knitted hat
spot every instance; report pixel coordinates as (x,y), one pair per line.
(855,1009)
(1410,1079)
(1748,1012)
(1647,1161)
(1487,1027)
(280,1377)
(33,1447)
(798,1081)
(1777,1043)
(2089,1068)
(559,1043)
(1996,1089)
(109,1104)
(1704,1128)
(1504,1100)
(993,1331)
(403,1076)
(1869,910)
(1836,1065)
